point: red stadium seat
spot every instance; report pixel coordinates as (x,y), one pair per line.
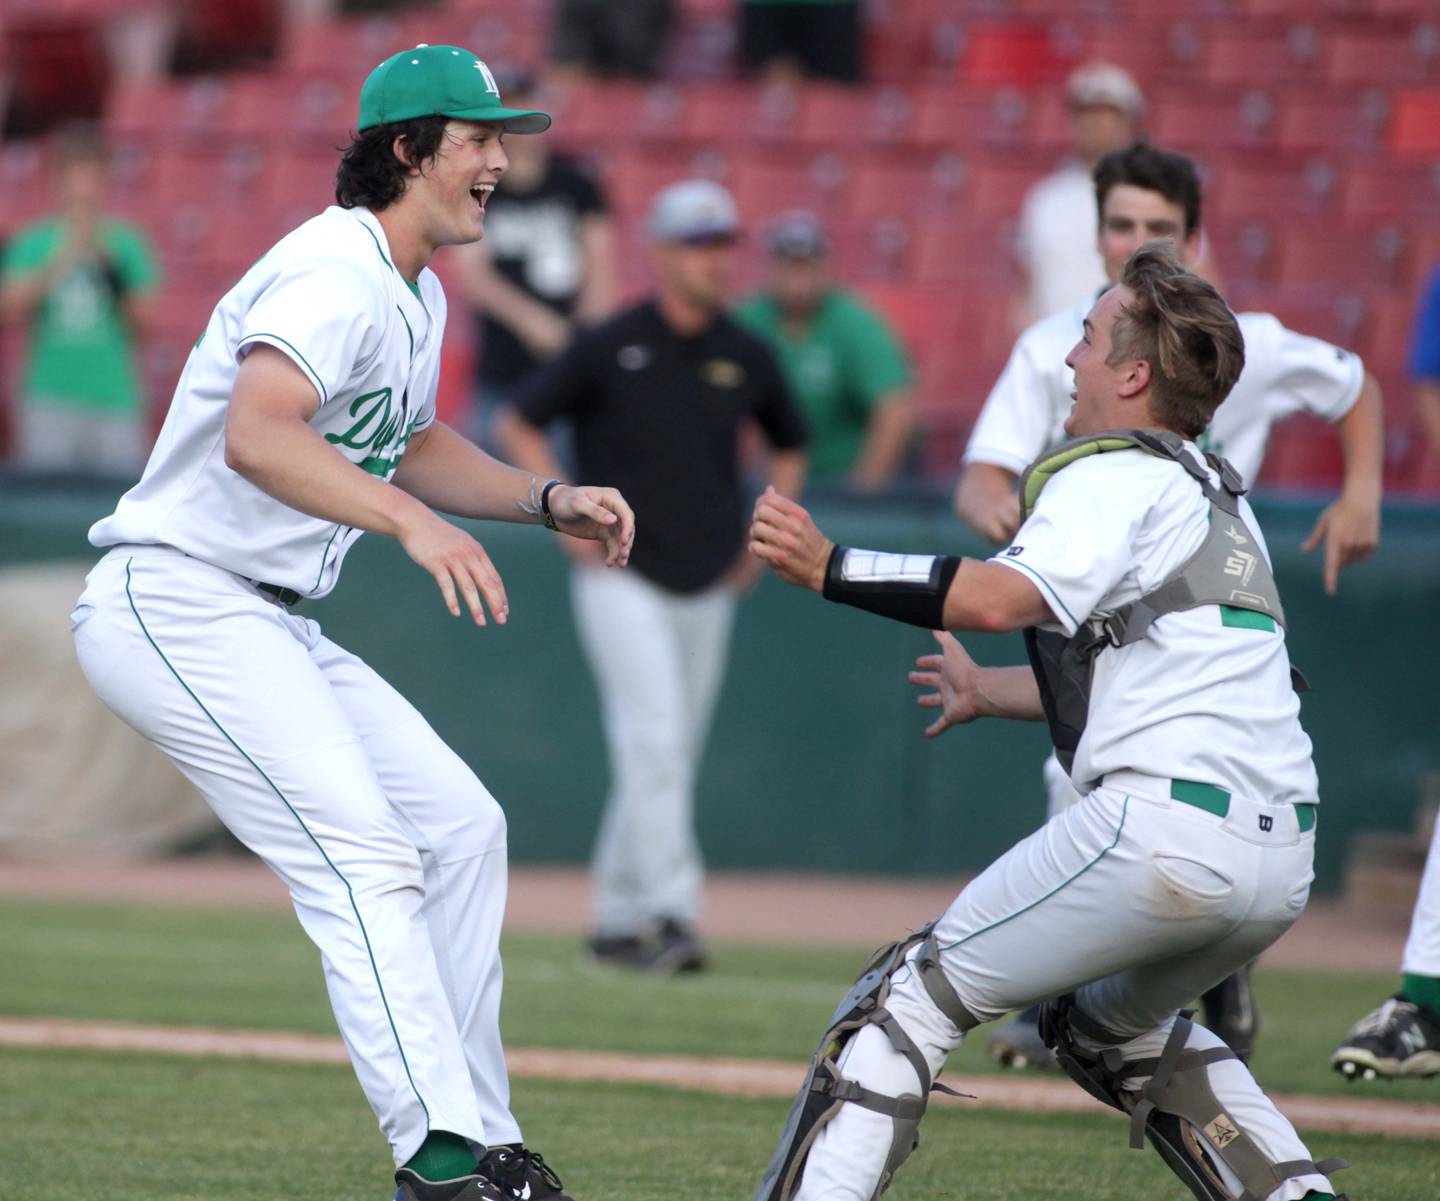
(996,186)
(1339,316)
(1392,192)
(590,116)
(958,119)
(1205,121)
(1387,348)
(1415,125)
(1010,53)
(287,106)
(905,187)
(883,116)
(974,253)
(633,179)
(186,112)
(358,44)
(1366,57)
(1244,57)
(1268,187)
(765,187)
(1303,453)
(1361,257)
(1318,119)
(741,115)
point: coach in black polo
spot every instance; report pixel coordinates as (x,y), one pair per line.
(658,397)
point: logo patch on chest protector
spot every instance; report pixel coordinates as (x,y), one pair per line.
(722,373)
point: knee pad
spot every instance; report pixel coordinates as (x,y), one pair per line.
(825,1089)
(1177,1110)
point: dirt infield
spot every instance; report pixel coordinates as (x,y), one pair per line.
(739,907)
(734,1077)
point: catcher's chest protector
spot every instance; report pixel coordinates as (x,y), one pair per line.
(1227,569)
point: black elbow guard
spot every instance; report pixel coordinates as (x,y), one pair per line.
(908,588)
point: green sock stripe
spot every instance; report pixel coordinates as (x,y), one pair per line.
(1423,991)
(350,892)
(442,1156)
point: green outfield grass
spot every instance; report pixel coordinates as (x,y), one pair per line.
(151,1128)
(250,967)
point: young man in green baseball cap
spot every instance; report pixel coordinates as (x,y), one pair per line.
(305,416)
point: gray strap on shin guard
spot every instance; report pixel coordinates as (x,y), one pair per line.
(938,987)
(1177,1110)
(825,1089)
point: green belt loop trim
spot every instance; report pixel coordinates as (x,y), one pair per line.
(1202,796)
(1306,815)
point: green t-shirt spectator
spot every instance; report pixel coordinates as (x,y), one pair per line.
(81,351)
(838,370)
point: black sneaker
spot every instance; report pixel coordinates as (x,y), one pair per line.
(476,1187)
(1017,1044)
(1397,1040)
(1230,1012)
(677,948)
(671,949)
(620,950)
(524,1173)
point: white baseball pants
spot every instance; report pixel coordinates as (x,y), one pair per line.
(394,853)
(1137,902)
(1422,947)
(658,659)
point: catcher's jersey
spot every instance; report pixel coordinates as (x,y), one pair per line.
(1206,694)
(1285,373)
(327,296)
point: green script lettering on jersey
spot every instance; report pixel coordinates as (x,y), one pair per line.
(376,429)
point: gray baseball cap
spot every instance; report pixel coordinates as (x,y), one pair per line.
(696,210)
(1104,85)
(797,235)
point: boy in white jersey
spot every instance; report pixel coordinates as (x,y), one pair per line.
(1192,848)
(1145,193)
(305,416)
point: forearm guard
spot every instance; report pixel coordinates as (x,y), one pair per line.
(908,588)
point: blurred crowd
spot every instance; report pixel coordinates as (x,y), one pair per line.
(80,285)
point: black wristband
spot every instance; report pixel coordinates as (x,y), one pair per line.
(908,588)
(545,514)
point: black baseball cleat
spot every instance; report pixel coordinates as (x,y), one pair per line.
(1017,1044)
(678,948)
(619,950)
(1397,1041)
(524,1173)
(1230,1012)
(476,1187)
(671,949)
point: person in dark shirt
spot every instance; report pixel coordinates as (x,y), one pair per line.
(659,395)
(546,265)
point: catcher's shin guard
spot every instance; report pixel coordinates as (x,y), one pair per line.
(1177,1110)
(825,1089)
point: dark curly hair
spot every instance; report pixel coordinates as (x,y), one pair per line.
(1144,166)
(370,173)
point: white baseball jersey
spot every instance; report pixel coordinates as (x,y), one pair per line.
(1285,373)
(1056,240)
(328,296)
(1206,695)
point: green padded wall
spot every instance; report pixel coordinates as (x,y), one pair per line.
(817,761)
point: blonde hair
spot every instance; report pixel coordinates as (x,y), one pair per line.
(1180,325)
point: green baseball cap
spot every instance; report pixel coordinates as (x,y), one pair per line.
(440,81)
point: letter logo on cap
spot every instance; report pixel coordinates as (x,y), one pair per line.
(490,84)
